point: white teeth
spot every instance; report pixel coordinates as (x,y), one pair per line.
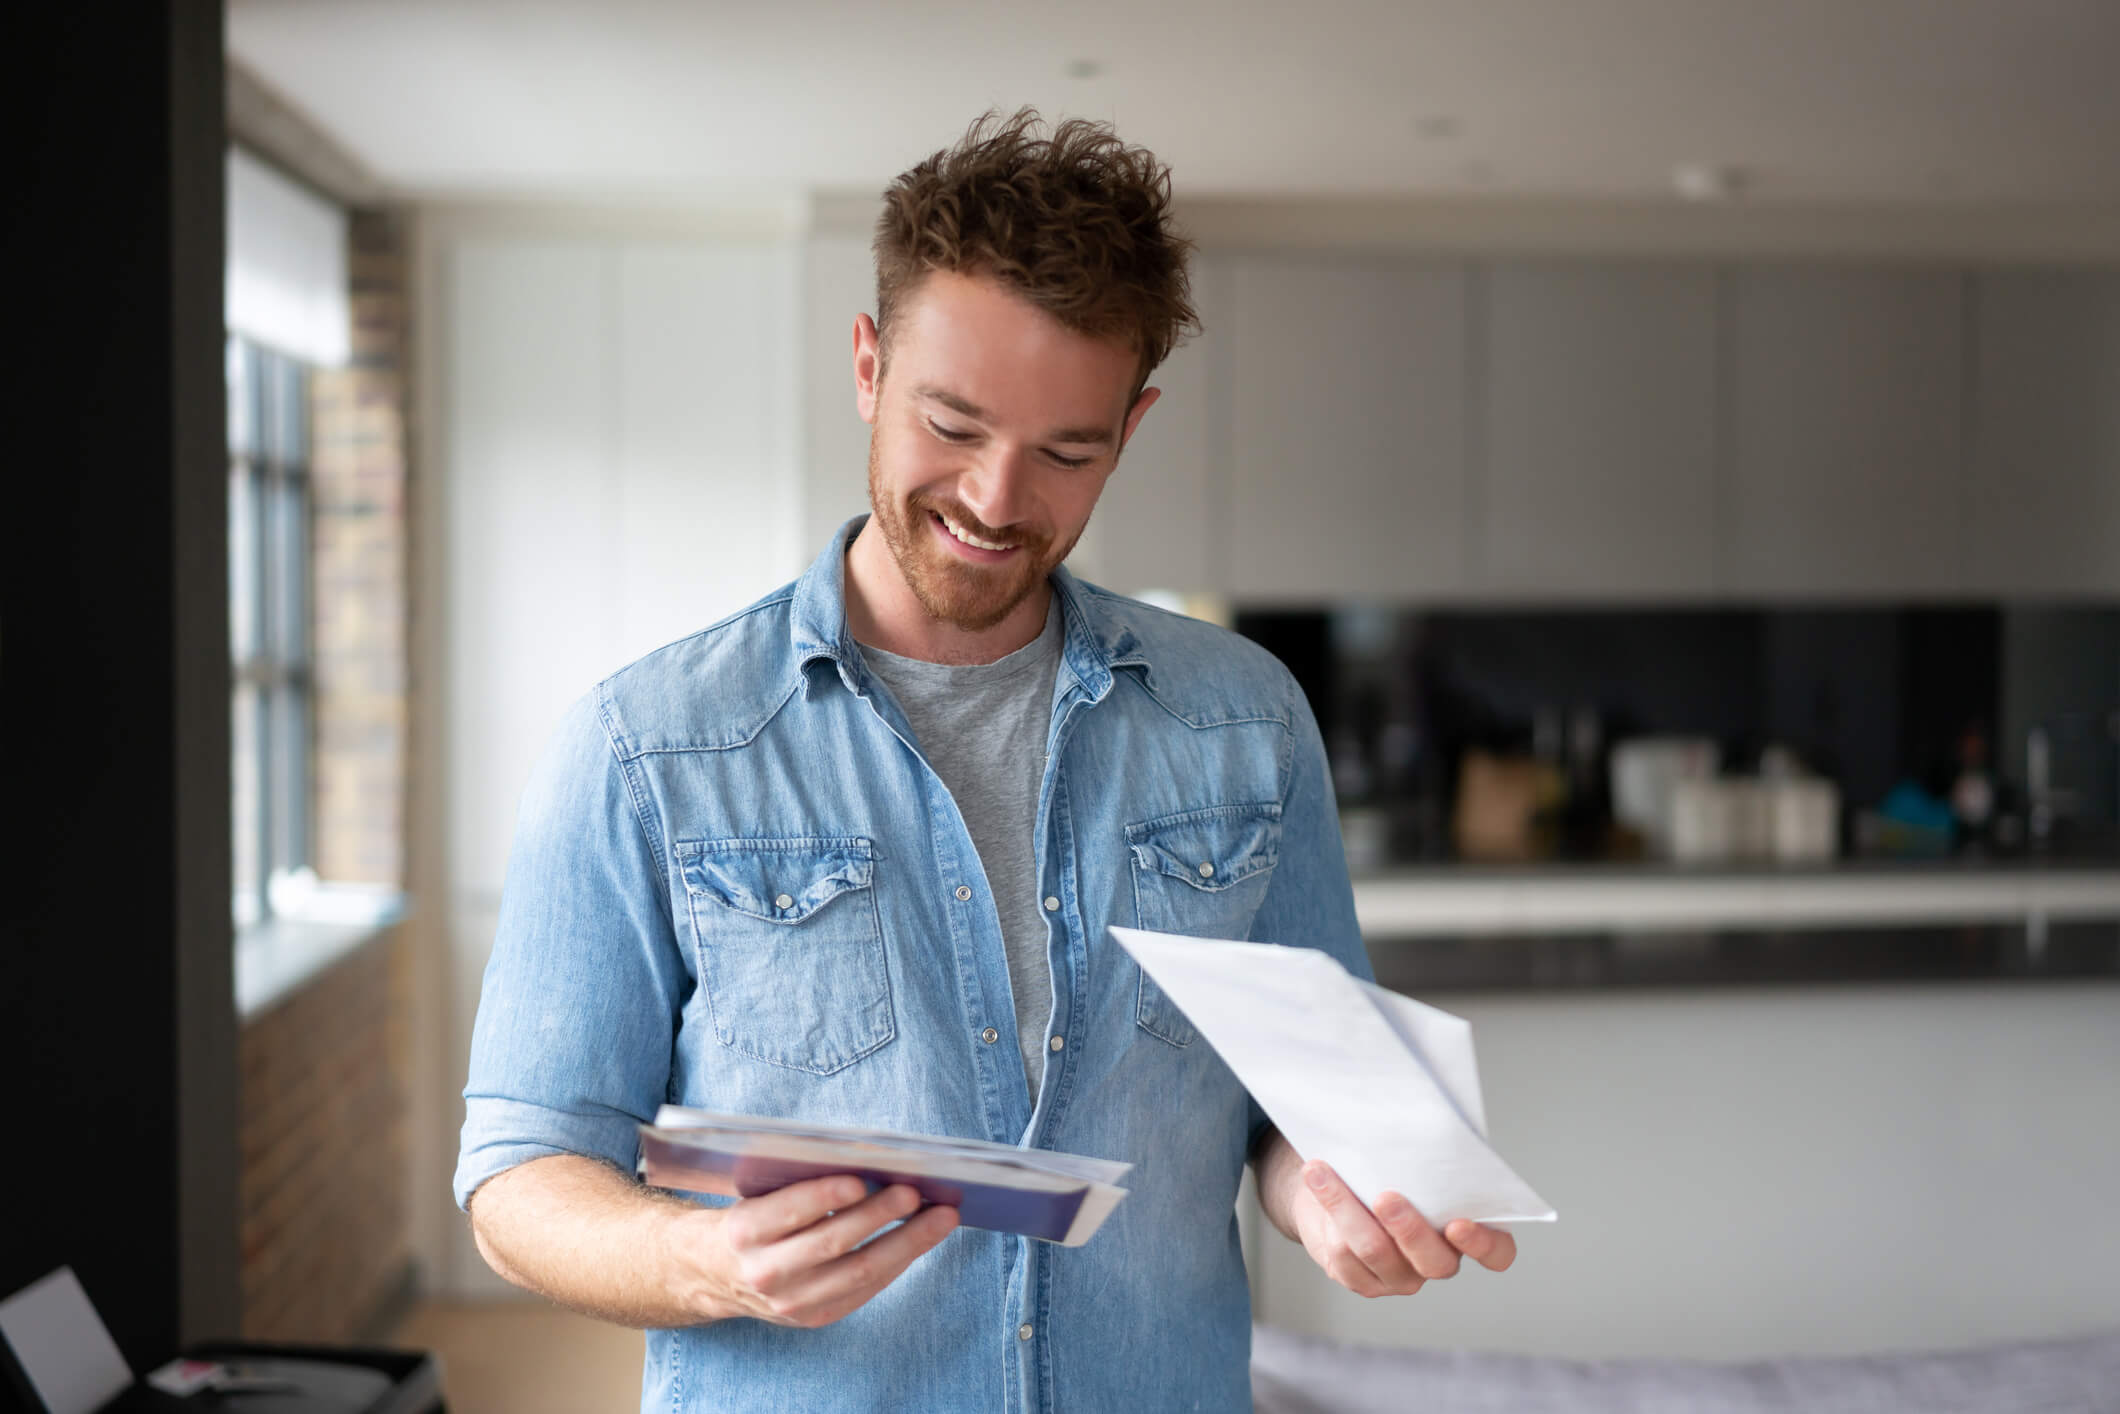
(967,537)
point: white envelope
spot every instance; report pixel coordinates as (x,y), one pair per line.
(1381,1087)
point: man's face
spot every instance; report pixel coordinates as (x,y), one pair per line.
(993,433)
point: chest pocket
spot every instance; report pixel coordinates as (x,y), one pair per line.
(790,948)
(1202,872)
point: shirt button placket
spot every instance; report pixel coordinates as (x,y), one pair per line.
(964,893)
(1024,1331)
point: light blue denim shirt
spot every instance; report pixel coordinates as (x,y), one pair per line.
(736,884)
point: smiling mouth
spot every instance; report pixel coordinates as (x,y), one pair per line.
(965,537)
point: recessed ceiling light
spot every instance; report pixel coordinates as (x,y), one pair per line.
(1084,68)
(1438,126)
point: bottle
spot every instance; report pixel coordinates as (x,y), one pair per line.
(1973,793)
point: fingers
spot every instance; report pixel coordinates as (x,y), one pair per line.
(1423,1247)
(839,1286)
(780,1265)
(1491,1248)
(1362,1238)
(769,1217)
(1392,1249)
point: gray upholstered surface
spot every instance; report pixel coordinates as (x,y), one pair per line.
(1293,1374)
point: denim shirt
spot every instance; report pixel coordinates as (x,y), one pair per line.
(736,884)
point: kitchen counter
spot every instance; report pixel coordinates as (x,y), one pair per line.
(1443,900)
(1442,927)
(1967,952)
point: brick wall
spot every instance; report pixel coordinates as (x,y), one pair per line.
(324,1230)
(359,470)
(324,1083)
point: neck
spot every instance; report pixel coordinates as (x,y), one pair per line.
(883,612)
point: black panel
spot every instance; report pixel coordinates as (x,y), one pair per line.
(118,1015)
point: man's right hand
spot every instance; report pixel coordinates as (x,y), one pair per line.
(796,1256)
(593,1238)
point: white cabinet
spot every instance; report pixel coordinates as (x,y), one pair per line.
(1598,409)
(702,467)
(1155,522)
(2043,493)
(528,609)
(1347,474)
(618,474)
(1355,427)
(1845,458)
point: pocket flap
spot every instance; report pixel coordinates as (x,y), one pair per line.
(1210,849)
(781,881)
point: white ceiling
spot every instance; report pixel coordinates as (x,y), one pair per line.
(1956,101)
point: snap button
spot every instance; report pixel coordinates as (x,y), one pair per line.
(990,1035)
(1207,871)
(1058,1041)
(1052,905)
(1023,1332)
(964,893)
(783,902)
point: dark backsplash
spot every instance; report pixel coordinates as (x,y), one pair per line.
(1870,697)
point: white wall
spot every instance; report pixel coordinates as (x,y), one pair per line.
(1776,1170)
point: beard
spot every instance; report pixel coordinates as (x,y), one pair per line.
(953,590)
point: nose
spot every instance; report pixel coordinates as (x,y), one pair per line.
(997,489)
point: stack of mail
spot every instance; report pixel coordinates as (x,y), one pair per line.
(1038,1193)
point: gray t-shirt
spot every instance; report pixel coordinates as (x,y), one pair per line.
(983,728)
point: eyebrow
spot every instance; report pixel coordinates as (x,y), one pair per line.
(1093,436)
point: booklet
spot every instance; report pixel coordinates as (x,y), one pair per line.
(1054,1197)
(1380,1086)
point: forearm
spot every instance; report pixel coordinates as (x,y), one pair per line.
(1277,1172)
(584,1235)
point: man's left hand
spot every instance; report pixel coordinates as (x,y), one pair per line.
(1391,1251)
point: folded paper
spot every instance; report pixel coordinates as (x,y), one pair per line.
(1380,1086)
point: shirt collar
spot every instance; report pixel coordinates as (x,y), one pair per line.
(1096,636)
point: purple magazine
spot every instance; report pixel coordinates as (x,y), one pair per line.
(1060,1198)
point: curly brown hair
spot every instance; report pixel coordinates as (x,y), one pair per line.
(1078,223)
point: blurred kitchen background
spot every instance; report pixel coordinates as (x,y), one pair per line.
(1675,445)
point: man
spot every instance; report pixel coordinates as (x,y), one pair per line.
(827,858)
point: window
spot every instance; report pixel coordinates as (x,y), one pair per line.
(272,699)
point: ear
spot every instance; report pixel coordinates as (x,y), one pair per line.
(1141,405)
(868,368)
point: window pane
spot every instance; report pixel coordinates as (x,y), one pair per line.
(289,423)
(243,550)
(290,778)
(248,813)
(290,571)
(242,399)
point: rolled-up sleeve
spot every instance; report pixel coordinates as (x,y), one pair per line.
(582,992)
(1310,901)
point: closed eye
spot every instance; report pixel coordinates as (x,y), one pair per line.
(958,436)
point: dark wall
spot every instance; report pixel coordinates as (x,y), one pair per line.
(117,1021)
